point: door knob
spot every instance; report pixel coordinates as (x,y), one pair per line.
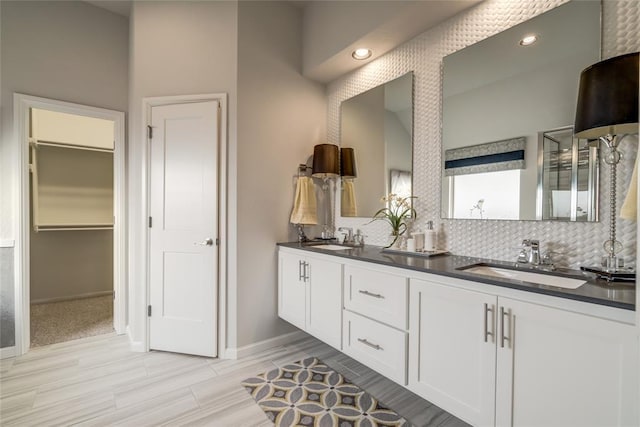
(207,242)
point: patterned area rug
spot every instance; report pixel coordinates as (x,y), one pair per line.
(309,393)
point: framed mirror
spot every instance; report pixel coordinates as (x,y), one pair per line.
(378,126)
(499,96)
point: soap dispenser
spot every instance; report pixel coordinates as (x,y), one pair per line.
(430,237)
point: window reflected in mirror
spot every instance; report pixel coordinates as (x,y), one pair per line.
(492,195)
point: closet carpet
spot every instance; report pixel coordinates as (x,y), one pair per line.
(70,320)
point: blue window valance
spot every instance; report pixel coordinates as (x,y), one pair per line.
(495,156)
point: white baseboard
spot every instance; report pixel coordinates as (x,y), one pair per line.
(248,350)
(135,346)
(69,298)
(7,352)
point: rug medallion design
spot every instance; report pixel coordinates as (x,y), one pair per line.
(309,393)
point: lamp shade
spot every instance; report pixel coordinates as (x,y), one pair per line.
(608,98)
(348,163)
(325,161)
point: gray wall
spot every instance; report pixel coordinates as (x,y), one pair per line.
(252,52)
(177,48)
(68,264)
(281,116)
(70,51)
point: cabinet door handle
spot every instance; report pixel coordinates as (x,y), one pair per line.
(488,334)
(365,292)
(365,342)
(306,272)
(503,337)
(300,274)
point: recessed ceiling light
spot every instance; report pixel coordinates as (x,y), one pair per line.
(362,53)
(528,40)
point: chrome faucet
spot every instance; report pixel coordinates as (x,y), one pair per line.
(348,235)
(530,254)
(534,251)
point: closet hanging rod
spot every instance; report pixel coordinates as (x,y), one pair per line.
(72,146)
(45,228)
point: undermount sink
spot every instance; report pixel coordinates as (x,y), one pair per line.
(330,247)
(525,276)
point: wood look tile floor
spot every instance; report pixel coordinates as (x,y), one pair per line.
(98,381)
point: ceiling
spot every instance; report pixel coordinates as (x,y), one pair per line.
(334,28)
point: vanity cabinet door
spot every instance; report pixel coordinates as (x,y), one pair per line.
(324,305)
(292,271)
(452,350)
(310,295)
(562,368)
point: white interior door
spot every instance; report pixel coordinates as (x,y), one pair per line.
(183,251)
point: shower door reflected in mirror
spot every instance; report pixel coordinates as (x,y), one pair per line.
(568,177)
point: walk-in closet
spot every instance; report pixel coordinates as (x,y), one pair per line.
(72,216)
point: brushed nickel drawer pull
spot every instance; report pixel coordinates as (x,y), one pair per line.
(365,342)
(371,294)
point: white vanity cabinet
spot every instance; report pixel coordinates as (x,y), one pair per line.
(493,360)
(452,354)
(310,294)
(557,367)
(376,319)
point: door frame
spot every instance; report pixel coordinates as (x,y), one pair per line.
(221,310)
(21,105)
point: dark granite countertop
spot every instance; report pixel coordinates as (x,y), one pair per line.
(596,291)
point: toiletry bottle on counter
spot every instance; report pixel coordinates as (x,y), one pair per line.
(411,244)
(430,237)
(418,236)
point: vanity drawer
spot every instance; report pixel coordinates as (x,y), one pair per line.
(378,346)
(377,294)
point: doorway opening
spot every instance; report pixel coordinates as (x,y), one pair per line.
(70,255)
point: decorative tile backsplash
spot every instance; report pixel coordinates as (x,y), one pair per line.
(577,243)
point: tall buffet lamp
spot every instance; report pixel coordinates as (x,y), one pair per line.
(326,166)
(607,111)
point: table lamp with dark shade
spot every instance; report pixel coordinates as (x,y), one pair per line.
(607,110)
(326,166)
